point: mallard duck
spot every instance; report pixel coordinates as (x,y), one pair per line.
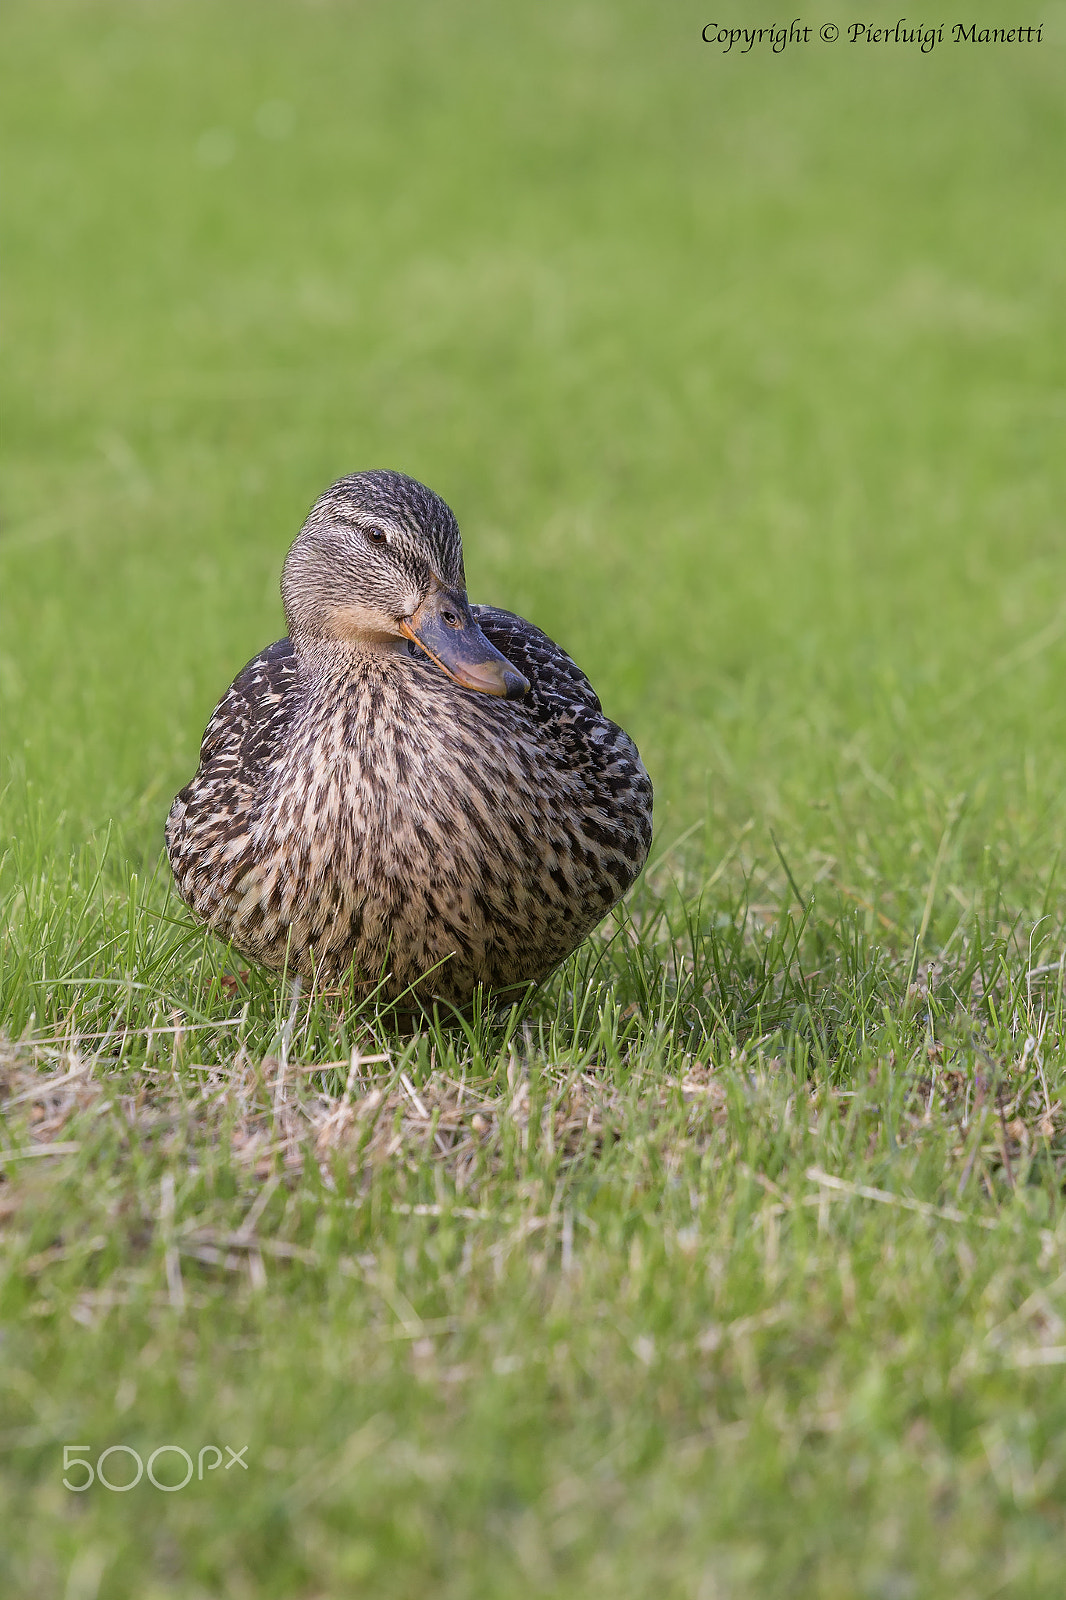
(408,790)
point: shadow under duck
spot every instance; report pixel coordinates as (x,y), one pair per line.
(409,788)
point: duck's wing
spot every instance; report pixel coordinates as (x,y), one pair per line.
(615,820)
(551,673)
(238,742)
(249,719)
(209,829)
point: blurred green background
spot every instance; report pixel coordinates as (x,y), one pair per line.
(744,375)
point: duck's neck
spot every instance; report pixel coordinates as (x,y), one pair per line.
(334,661)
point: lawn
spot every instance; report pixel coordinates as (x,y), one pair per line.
(734,1265)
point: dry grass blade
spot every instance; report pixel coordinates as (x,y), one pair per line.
(864,1191)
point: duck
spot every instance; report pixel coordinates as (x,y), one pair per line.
(408,792)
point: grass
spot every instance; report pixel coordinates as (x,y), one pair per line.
(735,1263)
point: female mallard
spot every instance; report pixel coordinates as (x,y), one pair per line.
(409,787)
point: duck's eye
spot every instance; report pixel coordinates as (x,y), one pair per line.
(377,535)
(451,619)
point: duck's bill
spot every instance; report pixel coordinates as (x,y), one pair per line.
(445,629)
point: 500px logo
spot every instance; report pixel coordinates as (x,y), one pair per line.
(76,1456)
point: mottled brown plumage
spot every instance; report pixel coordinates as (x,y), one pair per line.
(357,809)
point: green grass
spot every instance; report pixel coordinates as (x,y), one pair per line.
(735,1265)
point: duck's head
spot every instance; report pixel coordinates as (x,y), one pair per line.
(379,564)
